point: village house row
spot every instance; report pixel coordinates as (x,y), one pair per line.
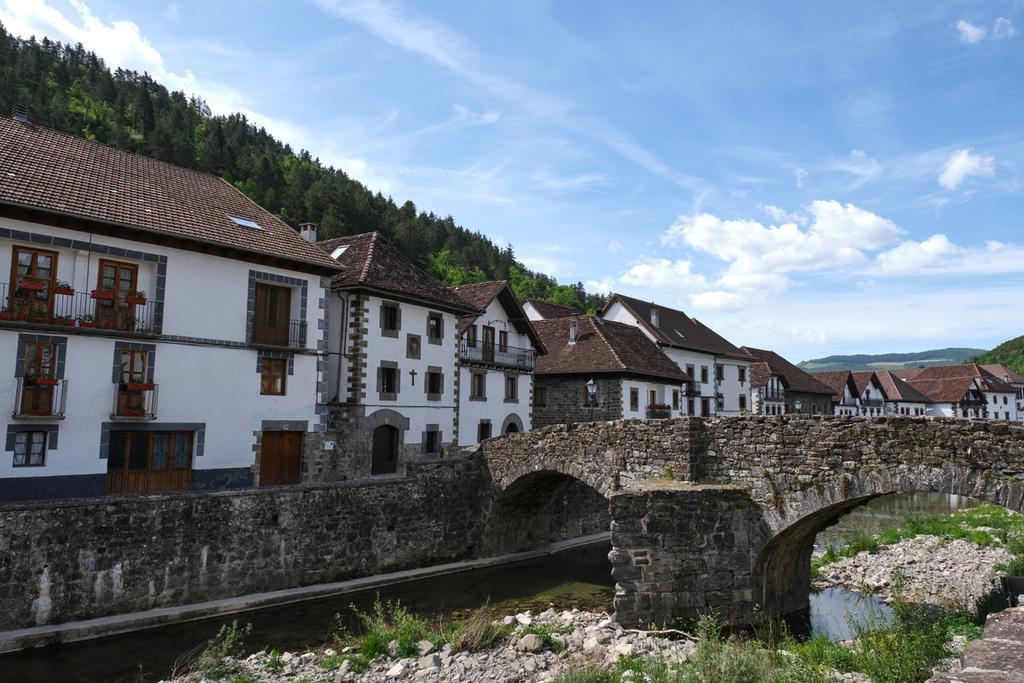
(162,332)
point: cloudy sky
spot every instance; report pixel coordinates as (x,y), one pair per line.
(808,177)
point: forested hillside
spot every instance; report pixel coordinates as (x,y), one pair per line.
(72,90)
(1009,353)
(892,361)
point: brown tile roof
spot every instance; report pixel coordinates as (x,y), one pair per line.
(677,329)
(480,295)
(907,373)
(371,262)
(834,379)
(760,373)
(603,347)
(793,378)
(896,389)
(944,390)
(862,380)
(549,310)
(949,383)
(1007,374)
(42,169)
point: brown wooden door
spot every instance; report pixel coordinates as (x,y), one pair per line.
(39,370)
(121,279)
(33,267)
(384,459)
(273,310)
(488,344)
(147,462)
(281,458)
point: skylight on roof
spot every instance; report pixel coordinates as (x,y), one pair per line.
(245,222)
(339,251)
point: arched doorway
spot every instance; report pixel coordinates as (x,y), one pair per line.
(385,450)
(511,424)
(511,428)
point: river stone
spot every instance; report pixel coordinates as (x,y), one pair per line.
(524,619)
(396,671)
(424,647)
(392,648)
(531,642)
(429,662)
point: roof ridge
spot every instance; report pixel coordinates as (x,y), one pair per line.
(604,338)
(365,272)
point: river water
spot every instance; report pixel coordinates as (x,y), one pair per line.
(575,578)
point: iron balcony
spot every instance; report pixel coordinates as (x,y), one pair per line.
(495,354)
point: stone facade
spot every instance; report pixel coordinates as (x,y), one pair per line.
(84,559)
(810,404)
(564,400)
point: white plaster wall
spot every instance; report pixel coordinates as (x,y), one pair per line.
(662,390)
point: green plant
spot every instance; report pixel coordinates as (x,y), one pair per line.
(477,631)
(547,634)
(274,662)
(589,675)
(217,658)
(387,622)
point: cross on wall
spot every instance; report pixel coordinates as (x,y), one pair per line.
(412,374)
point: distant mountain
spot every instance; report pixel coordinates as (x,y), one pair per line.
(1009,353)
(898,361)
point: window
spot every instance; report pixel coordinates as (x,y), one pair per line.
(390,319)
(719,373)
(434,384)
(29,449)
(634,399)
(689,406)
(540,397)
(743,374)
(431,442)
(675,399)
(703,374)
(387,382)
(39,378)
(1004,400)
(743,403)
(652,397)
(30,269)
(719,404)
(511,388)
(471,336)
(412,346)
(270,318)
(141,462)
(705,406)
(478,386)
(435,328)
(133,383)
(272,376)
(503,340)
(483,430)
(690,371)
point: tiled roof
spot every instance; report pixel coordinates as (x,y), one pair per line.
(793,378)
(862,380)
(945,389)
(834,379)
(1007,374)
(760,373)
(896,389)
(603,347)
(480,295)
(907,373)
(677,329)
(371,262)
(45,170)
(549,310)
(989,382)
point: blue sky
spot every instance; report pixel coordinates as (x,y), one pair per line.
(810,177)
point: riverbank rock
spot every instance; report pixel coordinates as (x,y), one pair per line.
(953,574)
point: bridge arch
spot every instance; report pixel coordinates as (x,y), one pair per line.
(782,565)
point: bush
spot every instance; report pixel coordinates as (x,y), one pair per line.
(387,622)
(476,632)
(216,659)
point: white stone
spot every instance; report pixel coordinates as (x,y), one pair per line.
(531,642)
(424,647)
(524,619)
(396,671)
(429,662)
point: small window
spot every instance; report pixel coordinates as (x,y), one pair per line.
(29,449)
(719,373)
(412,346)
(435,384)
(703,374)
(652,397)
(389,383)
(390,319)
(634,399)
(245,222)
(478,385)
(705,406)
(511,388)
(743,402)
(483,430)
(689,371)
(540,397)
(675,399)
(338,251)
(435,328)
(503,340)
(689,406)
(471,336)
(432,442)
(272,376)
(743,374)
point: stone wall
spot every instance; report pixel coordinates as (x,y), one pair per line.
(83,559)
(564,403)
(579,511)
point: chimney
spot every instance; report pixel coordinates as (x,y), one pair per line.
(655,316)
(19,114)
(574,329)
(308,231)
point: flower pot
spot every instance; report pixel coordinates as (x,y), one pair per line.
(21,316)
(66,291)
(86,324)
(67,322)
(41,411)
(31,286)
(102,295)
(46,381)
(140,387)
(133,412)
(137,300)
(6,315)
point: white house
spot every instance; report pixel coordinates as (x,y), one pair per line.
(159,331)
(845,395)
(1011,377)
(595,370)
(542,310)
(720,371)
(497,353)
(779,388)
(966,390)
(392,363)
(900,397)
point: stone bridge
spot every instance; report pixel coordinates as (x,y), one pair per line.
(721,513)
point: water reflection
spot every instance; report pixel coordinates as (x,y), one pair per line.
(834,612)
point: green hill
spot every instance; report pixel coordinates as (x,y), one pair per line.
(71,90)
(1010,353)
(893,361)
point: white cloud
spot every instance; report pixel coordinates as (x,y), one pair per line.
(718,299)
(938,255)
(778,214)
(614,246)
(800,175)
(600,286)
(863,168)
(965,163)
(971,34)
(662,273)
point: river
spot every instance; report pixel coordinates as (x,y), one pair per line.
(574,578)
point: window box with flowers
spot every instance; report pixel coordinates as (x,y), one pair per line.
(102,294)
(46,381)
(659,411)
(63,288)
(31,285)
(86,321)
(136,298)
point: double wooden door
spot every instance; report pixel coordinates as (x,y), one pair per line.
(271,320)
(147,462)
(281,458)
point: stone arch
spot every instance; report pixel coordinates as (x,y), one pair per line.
(512,421)
(781,563)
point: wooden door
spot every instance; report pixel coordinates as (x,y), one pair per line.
(121,279)
(149,462)
(281,458)
(39,370)
(488,344)
(385,450)
(273,310)
(34,267)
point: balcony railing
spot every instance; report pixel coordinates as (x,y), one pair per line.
(40,398)
(284,333)
(972,404)
(691,389)
(493,354)
(775,395)
(659,412)
(848,401)
(135,402)
(96,310)
(872,402)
